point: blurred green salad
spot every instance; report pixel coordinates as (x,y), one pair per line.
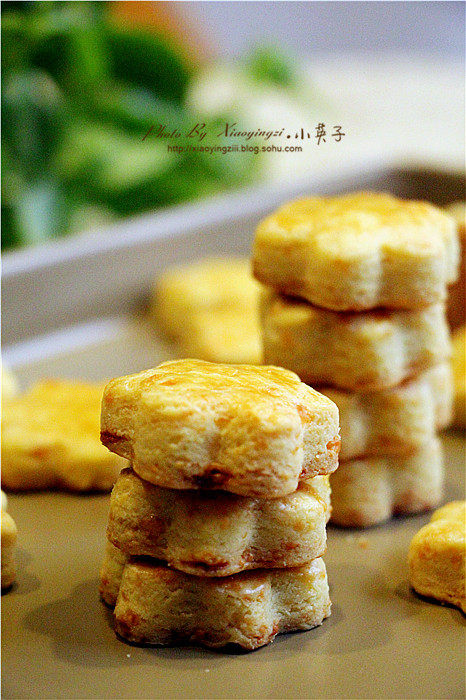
(79,93)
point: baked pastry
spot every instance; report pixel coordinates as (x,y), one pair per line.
(358,251)
(456,308)
(211,284)
(50,439)
(111,572)
(8,539)
(214,533)
(224,335)
(437,556)
(158,605)
(394,421)
(361,352)
(369,491)
(4,501)
(189,424)
(210,308)
(459,377)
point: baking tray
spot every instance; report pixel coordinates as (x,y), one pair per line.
(74,310)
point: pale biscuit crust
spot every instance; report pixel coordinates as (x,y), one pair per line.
(456,308)
(10,387)
(111,572)
(50,439)
(358,251)
(226,335)
(8,540)
(215,533)
(437,556)
(361,352)
(189,424)
(210,308)
(369,491)
(394,421)
(158,605)
(458,361)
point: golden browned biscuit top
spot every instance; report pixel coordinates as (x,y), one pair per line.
(208,381)
(50,438)
(194,424)
(366,215)
(52,405)
(437,556)
(358,251)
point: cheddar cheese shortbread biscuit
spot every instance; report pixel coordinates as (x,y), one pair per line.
(111,572)
(358,251)
(437,556)
(211,533)
(50,439)
(365,352)
(226,335)
(189,424)
(8,541)
(158,605)
(368,491)
(394,421)
(210,308)
(458,362)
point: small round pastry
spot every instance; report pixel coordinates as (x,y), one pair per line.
(394,421)
(360,352)
(437,556)
(50,439)
(214,533)
(358,251)
(189,424)
(210,307)
(158,605)
(370,491)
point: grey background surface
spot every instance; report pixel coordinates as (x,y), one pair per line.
(421,28)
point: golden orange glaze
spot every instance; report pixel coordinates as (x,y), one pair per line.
(354,212)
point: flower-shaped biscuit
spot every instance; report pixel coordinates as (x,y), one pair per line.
(358,251)
(437,556)
(157,605)
(189,424)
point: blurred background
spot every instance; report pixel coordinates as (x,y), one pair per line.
(84,82)
(422,28)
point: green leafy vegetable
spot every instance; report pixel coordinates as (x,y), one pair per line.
(79,94)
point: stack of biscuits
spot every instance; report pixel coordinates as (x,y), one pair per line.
(354,304)
(216,531)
